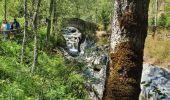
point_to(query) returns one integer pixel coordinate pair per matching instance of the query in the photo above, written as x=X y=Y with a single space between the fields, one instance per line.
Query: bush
x=53 y=79
x=151 y=21
x=105 y=18
x=162 y=20
x=168 y=22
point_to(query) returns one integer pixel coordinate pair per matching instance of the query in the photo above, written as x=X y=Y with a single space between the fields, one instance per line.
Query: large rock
x=155 y=83
x=73 y=38
x=80 y=24
x=93 y=56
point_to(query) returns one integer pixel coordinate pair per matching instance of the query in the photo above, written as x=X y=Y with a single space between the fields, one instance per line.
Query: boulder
x=155 y=83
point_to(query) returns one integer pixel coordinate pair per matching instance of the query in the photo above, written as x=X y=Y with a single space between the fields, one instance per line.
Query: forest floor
x=157 y=50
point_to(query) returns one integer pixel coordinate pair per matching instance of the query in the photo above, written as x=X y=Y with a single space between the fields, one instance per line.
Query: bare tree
x=25 y=30
x=129 y=30
x=34 y=25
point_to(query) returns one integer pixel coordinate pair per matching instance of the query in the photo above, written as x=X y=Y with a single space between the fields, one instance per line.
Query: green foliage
x=60 y=41
x=168 y=22
x=151 y=21
x=53 y=78
x=98 y=11
x=1 y=19
x=105 y=18
x=162 y=20
x=162 y=14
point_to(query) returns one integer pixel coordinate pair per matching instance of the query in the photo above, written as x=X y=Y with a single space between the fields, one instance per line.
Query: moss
x=124 y=73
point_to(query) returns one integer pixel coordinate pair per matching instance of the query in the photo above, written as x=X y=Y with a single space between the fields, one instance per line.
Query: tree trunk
x=49 y=23
x=55 y=18
x=5 y=9
x=129 y=30
x=25 y=30
x=155 y=19
x=35 y=34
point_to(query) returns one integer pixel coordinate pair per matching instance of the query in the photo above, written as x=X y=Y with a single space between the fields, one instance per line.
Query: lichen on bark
x=123 y=72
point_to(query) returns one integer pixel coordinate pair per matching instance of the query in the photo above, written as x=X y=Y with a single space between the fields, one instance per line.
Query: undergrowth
x=157 y=50
x=53 y=79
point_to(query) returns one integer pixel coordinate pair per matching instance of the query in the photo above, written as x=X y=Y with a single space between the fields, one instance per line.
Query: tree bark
x=129 y=30
x=155 y=19
x=25 y=30
x=55 y=18
x=49 y=20
x=34 y=25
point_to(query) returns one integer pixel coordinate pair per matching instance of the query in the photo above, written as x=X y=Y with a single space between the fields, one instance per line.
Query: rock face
x=96 y=71
x=95 y=59
x=155 y=83
x=72 y=37
x=82 y=25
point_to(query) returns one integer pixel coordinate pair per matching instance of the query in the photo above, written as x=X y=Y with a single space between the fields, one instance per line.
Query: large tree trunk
x=35 y=34
x=25 y=30
x=130 y=23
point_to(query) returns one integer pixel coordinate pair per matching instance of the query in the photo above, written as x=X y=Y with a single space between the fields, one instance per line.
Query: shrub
x=53 y=79
x=151 y=21
x=162 y=20
x=168 y=22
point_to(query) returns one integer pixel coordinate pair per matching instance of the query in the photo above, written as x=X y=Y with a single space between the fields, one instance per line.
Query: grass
x=157 y=50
